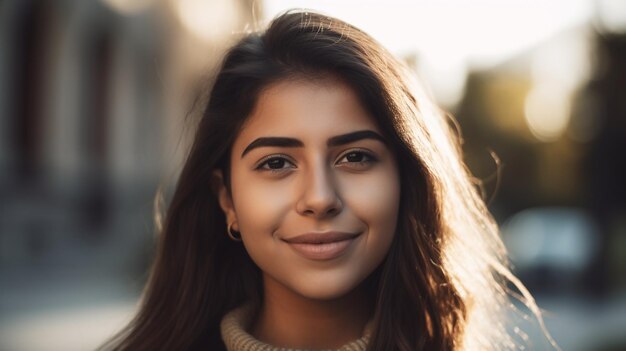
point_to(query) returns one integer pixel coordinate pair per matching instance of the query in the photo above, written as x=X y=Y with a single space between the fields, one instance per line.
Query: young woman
x=324 y=205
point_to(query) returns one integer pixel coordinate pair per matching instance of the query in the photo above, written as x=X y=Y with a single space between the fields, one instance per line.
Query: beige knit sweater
x=236 y=323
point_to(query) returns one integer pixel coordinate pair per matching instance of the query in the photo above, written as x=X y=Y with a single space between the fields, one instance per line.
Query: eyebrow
x=334 y=141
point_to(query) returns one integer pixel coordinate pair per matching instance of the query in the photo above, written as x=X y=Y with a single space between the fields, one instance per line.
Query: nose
x=319 y=197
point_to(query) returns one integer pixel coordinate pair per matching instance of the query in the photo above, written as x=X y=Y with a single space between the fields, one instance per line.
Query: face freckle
x=282 y=188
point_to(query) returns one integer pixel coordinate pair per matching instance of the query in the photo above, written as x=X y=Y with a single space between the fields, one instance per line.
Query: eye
x=274 y=164
x=358 y=158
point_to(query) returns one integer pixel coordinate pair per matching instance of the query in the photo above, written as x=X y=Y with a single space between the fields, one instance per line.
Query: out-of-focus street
x=98 y=105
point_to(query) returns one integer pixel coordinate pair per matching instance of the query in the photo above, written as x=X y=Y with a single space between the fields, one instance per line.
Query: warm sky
x=450 y=36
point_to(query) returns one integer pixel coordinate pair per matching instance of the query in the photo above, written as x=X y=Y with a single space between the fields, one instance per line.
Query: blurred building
x=96 y=105
x=545 y=132
x=547 y=129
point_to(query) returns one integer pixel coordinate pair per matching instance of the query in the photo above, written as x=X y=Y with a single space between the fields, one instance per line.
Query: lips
x=321 y=246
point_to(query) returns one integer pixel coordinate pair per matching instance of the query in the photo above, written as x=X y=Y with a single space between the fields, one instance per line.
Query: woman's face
x=310 y=159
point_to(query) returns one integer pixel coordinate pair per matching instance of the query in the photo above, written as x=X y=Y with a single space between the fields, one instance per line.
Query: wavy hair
x=442 y=285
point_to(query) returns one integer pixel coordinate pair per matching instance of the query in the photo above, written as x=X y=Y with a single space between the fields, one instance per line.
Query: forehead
x=310 y=110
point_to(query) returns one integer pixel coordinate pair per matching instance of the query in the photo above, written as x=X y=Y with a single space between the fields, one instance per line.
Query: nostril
x=332 y=211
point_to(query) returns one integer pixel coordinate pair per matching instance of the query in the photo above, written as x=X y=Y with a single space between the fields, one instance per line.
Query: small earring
x=233 y=234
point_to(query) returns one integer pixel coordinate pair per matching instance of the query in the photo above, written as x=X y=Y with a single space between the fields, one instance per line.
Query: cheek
x=375 y=200
x=260 y=203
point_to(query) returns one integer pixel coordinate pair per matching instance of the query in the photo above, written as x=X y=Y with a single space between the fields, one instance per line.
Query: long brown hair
x=442 y=284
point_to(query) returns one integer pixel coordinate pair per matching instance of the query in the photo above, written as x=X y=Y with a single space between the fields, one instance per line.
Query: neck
x=294 y=321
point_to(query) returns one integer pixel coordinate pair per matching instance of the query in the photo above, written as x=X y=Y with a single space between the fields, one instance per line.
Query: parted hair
x=442 y=285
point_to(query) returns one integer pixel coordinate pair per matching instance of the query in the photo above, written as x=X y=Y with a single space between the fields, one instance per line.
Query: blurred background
x=94 y=96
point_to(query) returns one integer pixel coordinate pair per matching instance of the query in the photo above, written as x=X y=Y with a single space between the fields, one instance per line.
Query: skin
x=352 y=188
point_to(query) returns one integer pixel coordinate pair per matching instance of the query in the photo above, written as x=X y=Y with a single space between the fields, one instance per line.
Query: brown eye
x=274 y=164
x=355 y=157
x=358 y=158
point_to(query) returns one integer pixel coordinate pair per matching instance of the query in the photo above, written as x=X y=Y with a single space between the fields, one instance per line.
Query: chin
x=323 y=293
x=325 y=288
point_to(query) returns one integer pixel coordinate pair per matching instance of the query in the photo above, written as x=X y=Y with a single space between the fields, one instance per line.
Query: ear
x=224 y=198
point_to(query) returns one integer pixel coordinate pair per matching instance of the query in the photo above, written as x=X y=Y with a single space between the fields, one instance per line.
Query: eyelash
x=267 y=159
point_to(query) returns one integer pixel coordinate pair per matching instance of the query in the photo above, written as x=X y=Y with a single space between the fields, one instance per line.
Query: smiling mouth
x=322 y=246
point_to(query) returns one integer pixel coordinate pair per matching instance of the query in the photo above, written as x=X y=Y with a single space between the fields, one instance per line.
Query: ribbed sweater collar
x=234 y=329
